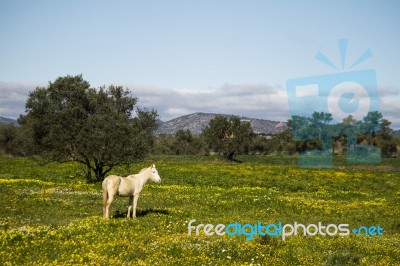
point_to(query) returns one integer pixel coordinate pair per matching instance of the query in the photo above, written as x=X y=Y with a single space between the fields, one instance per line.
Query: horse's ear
x=154 y=166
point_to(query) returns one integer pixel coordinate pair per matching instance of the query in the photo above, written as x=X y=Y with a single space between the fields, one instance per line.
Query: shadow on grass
x=140 y=213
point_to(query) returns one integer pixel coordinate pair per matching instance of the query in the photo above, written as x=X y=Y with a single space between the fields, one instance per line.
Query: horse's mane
x=143 y=169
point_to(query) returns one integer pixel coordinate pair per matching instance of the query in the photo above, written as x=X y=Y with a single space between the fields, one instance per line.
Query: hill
x=198 y=121
x=8 y=121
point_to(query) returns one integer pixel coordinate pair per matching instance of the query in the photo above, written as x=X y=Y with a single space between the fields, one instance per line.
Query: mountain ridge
x=260 y=126
x=8 y=121
x=196 y=122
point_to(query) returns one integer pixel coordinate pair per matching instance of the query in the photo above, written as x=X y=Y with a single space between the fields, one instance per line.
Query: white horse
x=129 y=186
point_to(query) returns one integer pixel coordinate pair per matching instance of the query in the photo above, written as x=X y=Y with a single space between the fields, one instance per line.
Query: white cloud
x=390 y=107
x=259 y=101
x=13 y=97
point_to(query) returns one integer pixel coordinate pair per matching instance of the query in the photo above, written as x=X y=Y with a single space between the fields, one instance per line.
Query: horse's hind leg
x=107 y=205
x=110 y=189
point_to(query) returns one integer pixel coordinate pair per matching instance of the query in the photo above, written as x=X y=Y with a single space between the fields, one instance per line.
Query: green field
x=50 y=216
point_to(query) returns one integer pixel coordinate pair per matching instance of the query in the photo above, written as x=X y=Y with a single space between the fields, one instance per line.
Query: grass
x=50 y=216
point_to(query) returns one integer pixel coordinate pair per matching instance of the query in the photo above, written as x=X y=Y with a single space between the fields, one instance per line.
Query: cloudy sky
x=181 y=57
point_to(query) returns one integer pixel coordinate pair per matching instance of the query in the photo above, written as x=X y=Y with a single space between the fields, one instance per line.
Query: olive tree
x=228 y=137
x=99 y=128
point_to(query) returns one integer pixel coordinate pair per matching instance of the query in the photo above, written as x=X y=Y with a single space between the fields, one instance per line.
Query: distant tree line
x=102 y=128
x=227 y=137
x=231 y=137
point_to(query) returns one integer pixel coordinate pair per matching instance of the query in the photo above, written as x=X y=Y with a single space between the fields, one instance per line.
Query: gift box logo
x=340 y=94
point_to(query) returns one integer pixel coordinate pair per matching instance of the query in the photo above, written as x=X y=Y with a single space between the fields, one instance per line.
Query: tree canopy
x=357 y=136
x=228 y=136
x=100 y=128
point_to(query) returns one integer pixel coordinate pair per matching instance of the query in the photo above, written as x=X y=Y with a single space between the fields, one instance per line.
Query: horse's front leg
x=130 y=206
x=135 y=200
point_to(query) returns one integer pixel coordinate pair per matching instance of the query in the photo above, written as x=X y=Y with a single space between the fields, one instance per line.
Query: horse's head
x=154 y=174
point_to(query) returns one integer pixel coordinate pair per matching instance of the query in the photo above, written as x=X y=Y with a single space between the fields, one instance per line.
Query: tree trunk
x=99 y=172
x=99 y=169
x=229 y=156
x=88 y=172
